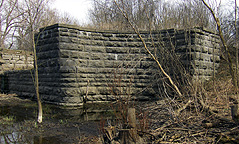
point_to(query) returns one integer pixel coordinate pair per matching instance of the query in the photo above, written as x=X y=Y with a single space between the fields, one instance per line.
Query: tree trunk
x=130 y=136
x=234 y=109
x=236 y=39
x=36 y=82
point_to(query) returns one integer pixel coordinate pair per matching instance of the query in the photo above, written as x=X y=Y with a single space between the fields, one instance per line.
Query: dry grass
x=207 y=119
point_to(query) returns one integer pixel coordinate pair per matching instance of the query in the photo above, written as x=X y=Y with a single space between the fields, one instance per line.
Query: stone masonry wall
x=11 y=60
x=199 y=52
x=15 y=60
x=77 y=62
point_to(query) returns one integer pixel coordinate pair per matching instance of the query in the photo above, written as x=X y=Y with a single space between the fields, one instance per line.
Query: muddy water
x=28 y=111
x=60 y=124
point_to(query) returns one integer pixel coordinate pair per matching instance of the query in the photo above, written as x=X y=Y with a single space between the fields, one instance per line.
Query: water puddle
x=60 y=124
x=17 y=137
x=46 y=140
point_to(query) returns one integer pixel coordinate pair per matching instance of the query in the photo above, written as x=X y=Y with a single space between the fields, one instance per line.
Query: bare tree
x=8 y=21
x=105 y=14
x=36 y=14
x=33 y=11
x=43 y=16
x=162 y=14
x=225 y=46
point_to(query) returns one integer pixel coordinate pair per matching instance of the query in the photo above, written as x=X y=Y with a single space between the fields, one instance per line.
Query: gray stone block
x=69 y=57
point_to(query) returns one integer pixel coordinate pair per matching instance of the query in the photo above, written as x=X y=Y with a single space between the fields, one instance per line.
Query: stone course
x=15 y=60
x=11 y=60
x=72 y=60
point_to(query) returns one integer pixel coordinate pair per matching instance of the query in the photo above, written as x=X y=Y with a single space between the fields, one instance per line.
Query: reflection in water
x=29 y=112
x=13 y=133
x=20 y=138
x=13 y=138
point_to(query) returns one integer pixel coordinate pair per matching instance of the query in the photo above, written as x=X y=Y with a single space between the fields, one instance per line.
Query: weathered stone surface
x=73 y=60
x=15 y=60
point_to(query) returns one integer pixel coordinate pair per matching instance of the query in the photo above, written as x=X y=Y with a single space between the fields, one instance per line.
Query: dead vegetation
x=204 y=118
x=203 y=112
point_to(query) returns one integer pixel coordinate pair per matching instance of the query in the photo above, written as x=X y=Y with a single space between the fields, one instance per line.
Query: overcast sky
x=79 y=8
x=76 y=8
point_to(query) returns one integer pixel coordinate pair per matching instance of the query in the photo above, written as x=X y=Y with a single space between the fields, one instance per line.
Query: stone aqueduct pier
x=74 y=62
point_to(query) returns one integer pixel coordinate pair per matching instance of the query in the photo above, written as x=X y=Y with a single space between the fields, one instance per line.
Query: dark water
x=61 y=123
x=24 y=139
x=29 y=111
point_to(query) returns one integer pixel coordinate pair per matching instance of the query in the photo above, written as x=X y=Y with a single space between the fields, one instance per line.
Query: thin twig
x=146 y=48
x=229 y=60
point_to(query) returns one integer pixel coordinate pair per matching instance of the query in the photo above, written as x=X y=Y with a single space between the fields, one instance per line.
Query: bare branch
x=146 y=48
x=229 y=60
x=1 y=4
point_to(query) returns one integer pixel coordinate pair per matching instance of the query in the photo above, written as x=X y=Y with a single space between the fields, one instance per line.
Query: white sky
x=79 y=8
x=76 y=8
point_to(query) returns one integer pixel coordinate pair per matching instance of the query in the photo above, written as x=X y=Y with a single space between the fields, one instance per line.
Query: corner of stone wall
x=205 y=50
